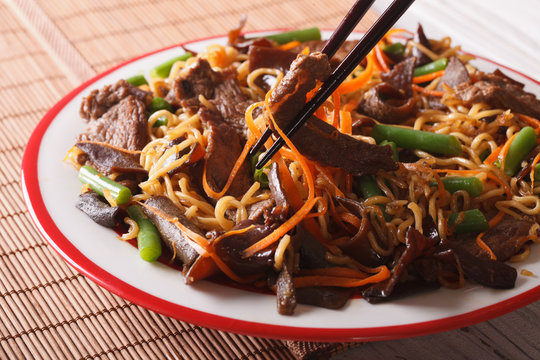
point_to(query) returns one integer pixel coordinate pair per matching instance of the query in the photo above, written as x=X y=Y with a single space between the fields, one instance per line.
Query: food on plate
x=418 y=172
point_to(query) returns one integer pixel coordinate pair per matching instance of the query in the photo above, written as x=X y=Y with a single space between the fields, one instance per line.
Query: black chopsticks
x=361 y=50
x=347 y=25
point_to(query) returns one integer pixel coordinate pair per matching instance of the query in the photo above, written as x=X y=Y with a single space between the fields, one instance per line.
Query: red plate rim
x=61 y=244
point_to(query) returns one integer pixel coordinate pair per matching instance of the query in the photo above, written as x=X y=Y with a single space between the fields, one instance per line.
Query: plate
x=50 y=189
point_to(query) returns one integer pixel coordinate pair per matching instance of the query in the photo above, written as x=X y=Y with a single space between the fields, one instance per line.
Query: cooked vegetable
x=522 y=144
x=148 y=240
x=417 y=139
x=433 y=66
x=99 y=183
x=302 y=35
x=394 y=148
x=161 y=121
x=159 y=103
x=163 y=70
x=396 y=48
x=368 y=188
x=137 y=80
x=468 y=221
x=472 y=184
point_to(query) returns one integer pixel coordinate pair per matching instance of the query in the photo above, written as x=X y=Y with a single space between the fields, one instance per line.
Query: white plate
x=51 y=187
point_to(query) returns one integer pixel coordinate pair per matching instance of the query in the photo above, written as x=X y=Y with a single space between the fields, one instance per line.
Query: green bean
x=396 y=48
x=97 y=182
x=137 y=80
x=160 y=121
x=159 y=103
x=417 y=139
x=484 y=154
x=393 y=145
x=163 y=70
x=472 y=184
x=148 y=240
x=302 y=35
x=368 y=188
x=522 y=144
x=431 y=67
x=468 y=221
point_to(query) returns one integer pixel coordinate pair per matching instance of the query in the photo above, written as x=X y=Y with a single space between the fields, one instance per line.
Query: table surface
x=47 y=47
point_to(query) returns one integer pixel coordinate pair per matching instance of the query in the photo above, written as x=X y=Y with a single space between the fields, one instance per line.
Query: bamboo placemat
x=47 y=47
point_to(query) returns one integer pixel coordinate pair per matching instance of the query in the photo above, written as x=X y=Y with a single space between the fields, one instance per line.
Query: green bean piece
x=417 y=139
x=302 y=35
x=163 y=70
x=468 y=221
x=160 y=121
x=368 y=188
x=396 y=48
x=484 y=154
x=393 y=145
x=97 y=182
x=472 y=184
x=522 y=144
x=148 y=240
x=137 y=80
x=159 y=103
x=431 y=67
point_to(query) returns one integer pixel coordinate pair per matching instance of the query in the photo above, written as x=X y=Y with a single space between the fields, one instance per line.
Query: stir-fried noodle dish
x=418 y=172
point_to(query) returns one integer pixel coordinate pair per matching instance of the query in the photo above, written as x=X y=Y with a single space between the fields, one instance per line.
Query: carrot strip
x=530 y=120
x=289 y=45
x=350 y=218
x=393 y=31
x=356 y=83
x=329 y=179
x=216 y=195
x=337 y=105
x=324 y=280
x=427 y=92
x=484 y=246
x=321 y=212
x=334 y=271
x=493 y=156
x=306 y=207
x=346 y=122
x=428 y=77
x=533 y=164
x=380 y=59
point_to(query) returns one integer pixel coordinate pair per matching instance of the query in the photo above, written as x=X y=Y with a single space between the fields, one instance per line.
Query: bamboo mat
x=47 y=47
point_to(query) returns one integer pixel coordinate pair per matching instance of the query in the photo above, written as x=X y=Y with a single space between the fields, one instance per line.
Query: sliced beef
x=499 y=91
x=220 y=88
x=124 y=125
x=261 y=211
x=196 y=152
x=359 y=246
x=285 y=289
x=416 y=245
x=387 y=104
x=317 y=46
x=100 y=101
x=270 y=57
x=502 y=239
x=224 y=148
x=108 y=160
x=455 y=73
x=281 y=210
x=98 y=210
x=160 y=210
x=420 y=37
x=230 y=249
x=318 y=140
x=401 y=76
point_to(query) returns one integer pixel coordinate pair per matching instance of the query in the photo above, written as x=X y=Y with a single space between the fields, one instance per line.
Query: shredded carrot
x=337 y=105
x=321 y=114
x=484 y=246
x=328 y=178
x=504 y=150
x=427 y=92
x=346 y=122
x=393 y=31
x=381 y=58
x=530 y=120
x=350 y=218
x=350 y=106
x=356 y=83
x=428 y=77
x=289 y=45
x=322 y=211
x=305 y=51
x=348 y=182
x=334 y=271
x=493 y=156
x=533 y=164
x=326 y=280
x=216 y=195
x=306 y=207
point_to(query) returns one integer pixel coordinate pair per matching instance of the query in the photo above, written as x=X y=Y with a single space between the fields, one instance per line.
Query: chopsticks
x=361 y=50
